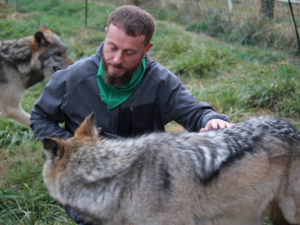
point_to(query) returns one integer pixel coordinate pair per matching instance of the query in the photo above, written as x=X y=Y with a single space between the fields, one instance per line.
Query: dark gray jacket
x=72 y=94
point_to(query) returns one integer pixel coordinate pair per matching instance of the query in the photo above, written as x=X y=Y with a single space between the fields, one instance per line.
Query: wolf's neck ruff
x=19 y=50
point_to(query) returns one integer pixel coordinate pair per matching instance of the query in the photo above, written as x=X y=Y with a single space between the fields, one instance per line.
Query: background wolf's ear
x=52 y=147
x=40 y=38
x=43 y=28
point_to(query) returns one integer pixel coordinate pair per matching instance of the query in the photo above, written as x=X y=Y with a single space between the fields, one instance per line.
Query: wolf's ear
x=88 y=127
x=43 y=28
x=53 y=147
x=40 y=38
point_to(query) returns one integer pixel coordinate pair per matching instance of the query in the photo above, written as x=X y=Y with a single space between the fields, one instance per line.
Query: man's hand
x=214 y=124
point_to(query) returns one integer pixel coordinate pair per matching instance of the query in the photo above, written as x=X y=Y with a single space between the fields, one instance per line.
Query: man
x=129 y=92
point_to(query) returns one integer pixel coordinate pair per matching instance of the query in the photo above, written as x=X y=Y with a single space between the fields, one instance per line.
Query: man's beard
x=117 y=81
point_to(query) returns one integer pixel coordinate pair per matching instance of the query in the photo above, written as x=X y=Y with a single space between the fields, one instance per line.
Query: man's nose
x=118 y=57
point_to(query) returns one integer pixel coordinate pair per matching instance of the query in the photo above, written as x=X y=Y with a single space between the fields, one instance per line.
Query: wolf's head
x=87 y=131
x=48 y=54
x=59 y=151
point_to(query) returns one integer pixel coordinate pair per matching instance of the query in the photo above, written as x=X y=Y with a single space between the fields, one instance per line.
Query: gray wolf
x=233 y=176
x=25 y=62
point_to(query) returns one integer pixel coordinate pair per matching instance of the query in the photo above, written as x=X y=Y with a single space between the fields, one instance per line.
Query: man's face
x=121 y=55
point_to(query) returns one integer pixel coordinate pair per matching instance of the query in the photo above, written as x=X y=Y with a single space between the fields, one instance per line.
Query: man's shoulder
x=158 y=72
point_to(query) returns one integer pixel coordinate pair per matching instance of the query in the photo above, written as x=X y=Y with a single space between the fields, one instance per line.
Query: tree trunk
x=267 y=9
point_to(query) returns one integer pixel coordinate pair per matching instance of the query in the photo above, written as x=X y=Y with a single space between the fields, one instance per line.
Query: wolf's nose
x=55 y=68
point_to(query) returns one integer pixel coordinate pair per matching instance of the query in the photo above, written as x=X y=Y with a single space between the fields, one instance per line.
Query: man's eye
x=113 y=48
x=129 y=53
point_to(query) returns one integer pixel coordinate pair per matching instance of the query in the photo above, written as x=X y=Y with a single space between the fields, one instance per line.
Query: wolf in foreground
x=25 y=62
x=222 y=177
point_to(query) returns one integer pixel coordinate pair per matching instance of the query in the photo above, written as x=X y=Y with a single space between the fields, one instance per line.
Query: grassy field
x=243 y=24
x=236 y=80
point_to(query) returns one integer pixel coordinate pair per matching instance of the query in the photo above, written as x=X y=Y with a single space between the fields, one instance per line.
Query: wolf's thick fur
x=25 y=62
x=225 y=177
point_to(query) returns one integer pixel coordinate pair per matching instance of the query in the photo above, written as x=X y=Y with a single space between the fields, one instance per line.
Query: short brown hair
x=133 y=21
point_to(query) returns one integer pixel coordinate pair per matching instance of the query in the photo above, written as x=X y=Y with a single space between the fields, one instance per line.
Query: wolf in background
x=233 y=176
x=25 y=62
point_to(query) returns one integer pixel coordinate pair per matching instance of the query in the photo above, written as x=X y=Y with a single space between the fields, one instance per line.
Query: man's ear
x=147 y=48
x=88 y=127
x=53 y=147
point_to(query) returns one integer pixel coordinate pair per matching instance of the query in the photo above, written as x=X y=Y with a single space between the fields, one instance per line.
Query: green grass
x=23 y=196
x=236 y=80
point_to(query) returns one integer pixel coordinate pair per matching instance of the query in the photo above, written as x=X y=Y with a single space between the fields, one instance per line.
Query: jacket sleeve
x=46 y=113
x=178 y=104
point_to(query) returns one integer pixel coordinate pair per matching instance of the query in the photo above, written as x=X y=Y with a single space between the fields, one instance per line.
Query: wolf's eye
x=58 y=54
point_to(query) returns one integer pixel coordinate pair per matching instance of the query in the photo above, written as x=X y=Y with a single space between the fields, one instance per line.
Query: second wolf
x=25 y=62
x=226 y=177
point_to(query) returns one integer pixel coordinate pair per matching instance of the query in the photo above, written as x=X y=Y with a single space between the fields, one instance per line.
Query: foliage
x=212 y=23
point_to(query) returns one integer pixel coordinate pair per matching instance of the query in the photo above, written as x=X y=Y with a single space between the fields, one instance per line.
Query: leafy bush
x=211 y=22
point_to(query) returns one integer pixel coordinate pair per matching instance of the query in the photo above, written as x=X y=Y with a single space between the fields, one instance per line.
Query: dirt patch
x=3 y=165
x=3 y=10
x=9 y=12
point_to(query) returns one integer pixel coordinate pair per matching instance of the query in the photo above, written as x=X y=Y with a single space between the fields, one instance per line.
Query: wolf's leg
x=10 y=101
x=276 y=215
x=289 y=199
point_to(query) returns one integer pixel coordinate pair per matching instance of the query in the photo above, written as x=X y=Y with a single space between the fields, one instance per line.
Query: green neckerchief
x=114 y=96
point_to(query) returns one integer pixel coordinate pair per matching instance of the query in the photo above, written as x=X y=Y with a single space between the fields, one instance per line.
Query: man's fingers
x=215 y=124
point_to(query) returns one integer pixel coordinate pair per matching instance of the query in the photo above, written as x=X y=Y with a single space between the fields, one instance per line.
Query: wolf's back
x=163 y=178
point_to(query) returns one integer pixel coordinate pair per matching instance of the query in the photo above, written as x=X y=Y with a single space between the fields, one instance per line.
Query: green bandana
x=114 y=96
